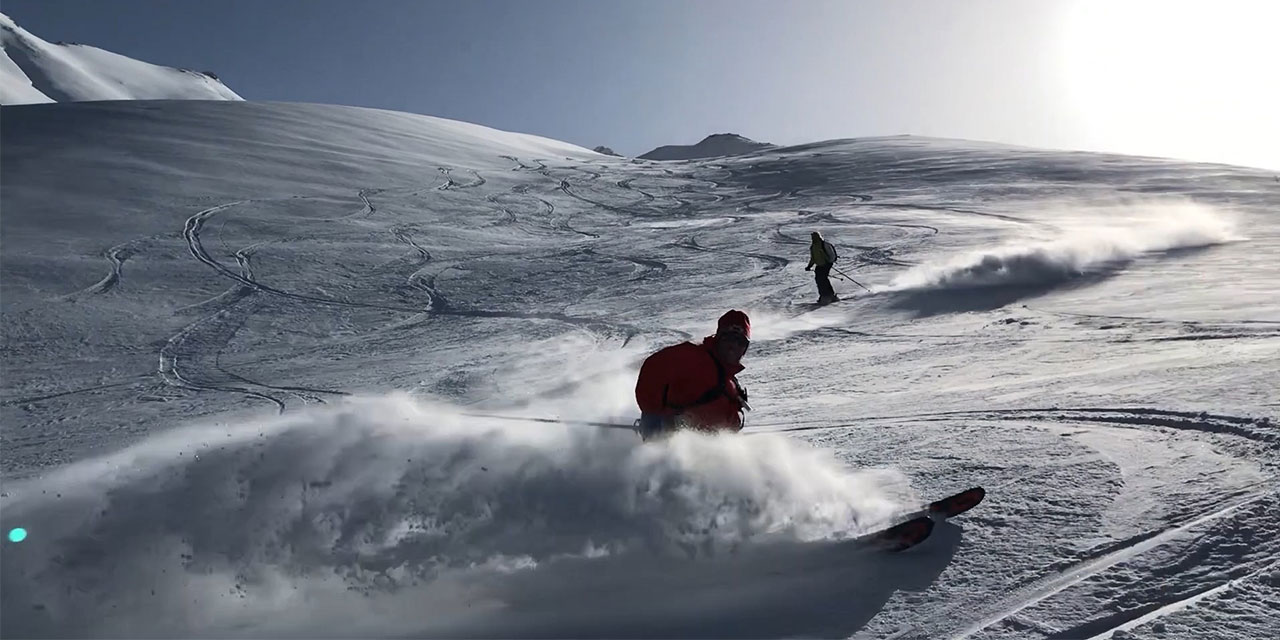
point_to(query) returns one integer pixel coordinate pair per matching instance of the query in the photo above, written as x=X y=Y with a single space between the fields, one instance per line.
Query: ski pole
x=788 y=425
x=850 y=279
x=589 y=423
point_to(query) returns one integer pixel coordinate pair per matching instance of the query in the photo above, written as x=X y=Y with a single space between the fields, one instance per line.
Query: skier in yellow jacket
x=822 y=254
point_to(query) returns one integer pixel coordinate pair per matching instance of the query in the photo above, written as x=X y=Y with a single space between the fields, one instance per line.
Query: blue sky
x=1184 y=79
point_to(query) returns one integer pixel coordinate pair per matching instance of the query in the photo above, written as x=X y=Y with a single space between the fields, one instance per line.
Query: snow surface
x=35 y=71
x=713 y=146
x=254 y=355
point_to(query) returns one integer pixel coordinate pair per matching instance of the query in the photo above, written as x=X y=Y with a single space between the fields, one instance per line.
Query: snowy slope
x=33 y=71
x=205 y=307
x=15 y=86
x=713 y=146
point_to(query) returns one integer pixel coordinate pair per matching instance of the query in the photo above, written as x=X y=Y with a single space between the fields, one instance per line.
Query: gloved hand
x=653 y=425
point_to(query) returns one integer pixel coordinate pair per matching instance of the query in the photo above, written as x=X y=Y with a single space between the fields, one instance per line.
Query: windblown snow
x=392 y=494
x=35 y=71
x=1090 y=243
x=261 y=360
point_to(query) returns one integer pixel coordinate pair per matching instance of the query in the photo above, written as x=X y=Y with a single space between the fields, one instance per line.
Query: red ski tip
x=905 y=535
x=957 y=504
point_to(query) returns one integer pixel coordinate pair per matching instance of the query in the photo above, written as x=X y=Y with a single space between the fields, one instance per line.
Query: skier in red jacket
x=695 y=385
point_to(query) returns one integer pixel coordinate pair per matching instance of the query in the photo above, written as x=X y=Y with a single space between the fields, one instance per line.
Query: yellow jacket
x=818 y=255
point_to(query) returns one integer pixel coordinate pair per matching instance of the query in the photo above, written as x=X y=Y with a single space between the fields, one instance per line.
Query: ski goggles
x=734 y=334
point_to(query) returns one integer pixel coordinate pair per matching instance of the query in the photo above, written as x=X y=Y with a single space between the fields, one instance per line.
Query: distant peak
x=727 y=136
x=33 y=70
x=713 y=146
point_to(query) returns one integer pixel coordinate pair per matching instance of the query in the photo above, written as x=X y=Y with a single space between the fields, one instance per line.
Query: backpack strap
x=720 y=388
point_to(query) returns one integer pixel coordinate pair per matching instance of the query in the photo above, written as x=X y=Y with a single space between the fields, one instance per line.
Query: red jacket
x=684 y=380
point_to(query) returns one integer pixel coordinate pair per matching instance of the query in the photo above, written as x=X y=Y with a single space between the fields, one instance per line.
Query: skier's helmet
x=734 y=323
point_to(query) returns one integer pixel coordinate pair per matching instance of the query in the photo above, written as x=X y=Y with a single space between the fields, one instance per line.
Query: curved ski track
x=216 y=324
x=117 y=256
x=768 y=262
x=647 y=267
x=450 y=183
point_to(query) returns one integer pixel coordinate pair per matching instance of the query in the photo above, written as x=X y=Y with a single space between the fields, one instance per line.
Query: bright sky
x=1181 y=78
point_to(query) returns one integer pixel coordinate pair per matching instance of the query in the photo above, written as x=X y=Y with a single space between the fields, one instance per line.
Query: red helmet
x=735 y=322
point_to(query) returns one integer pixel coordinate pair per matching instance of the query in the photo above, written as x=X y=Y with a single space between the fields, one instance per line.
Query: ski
x=919 y=524
x=899 y=537
x=952 y=506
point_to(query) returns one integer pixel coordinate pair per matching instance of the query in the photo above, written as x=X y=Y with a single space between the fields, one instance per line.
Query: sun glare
x=1198 y=80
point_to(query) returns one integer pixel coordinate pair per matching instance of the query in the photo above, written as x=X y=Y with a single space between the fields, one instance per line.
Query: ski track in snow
x=224 y=323
x=116 y=255
x=1258 y=429
x=1108 y=626
x=450 y=183
x=1125 y=433
x=1030 y=592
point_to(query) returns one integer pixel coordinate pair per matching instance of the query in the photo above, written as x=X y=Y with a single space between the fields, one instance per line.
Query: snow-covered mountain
x=253 y=353
x=716 y=145
x=35 y=71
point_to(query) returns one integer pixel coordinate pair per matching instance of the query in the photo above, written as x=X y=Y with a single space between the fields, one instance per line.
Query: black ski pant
x=822 y=276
